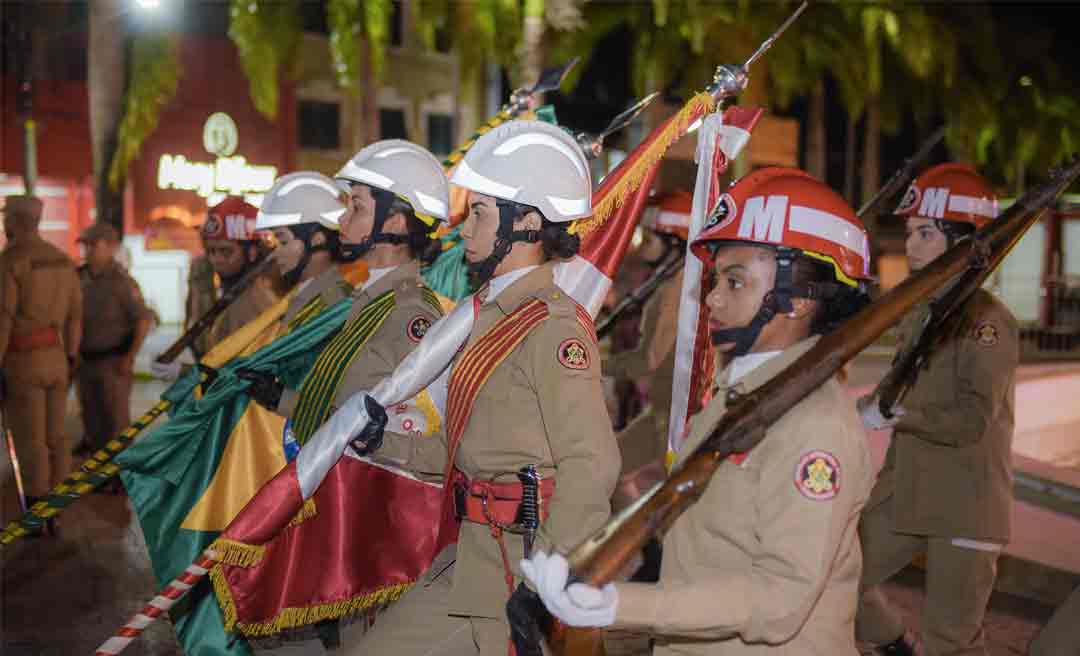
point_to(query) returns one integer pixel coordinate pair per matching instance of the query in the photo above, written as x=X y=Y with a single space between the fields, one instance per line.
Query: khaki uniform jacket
x=112 y=306
x=532 y=410
x=40 y=289
x=653 y=359
x=330 y=285
x=768 y=560
x=255 y=300
x=396 y=337
x=949 y=466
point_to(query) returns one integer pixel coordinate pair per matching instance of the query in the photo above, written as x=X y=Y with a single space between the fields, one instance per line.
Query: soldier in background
x=233 y=250
x=40 y=329
x=945 y=489
x=643 y=442
x=115 y=323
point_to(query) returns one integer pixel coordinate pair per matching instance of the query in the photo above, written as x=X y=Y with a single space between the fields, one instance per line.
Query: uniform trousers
x=959 y=581
x=34 y=413
x=105 y=395
x=418 y=624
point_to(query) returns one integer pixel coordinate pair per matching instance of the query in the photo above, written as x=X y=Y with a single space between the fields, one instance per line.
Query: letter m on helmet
x=763 y=218
x=933 y=202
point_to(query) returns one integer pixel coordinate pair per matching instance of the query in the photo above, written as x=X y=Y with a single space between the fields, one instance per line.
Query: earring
x=791 y=314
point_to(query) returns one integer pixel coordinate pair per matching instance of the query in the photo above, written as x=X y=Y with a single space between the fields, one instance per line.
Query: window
x=392 y=124
x=440 y=131
x=318 y=126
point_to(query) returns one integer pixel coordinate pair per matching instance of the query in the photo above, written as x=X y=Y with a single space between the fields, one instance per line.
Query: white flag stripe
x=972 y=205
x=114 y=645
x=140 y=621
x=827 y=226
x=584 y=283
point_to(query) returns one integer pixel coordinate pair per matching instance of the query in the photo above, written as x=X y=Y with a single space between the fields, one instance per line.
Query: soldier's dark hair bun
x=557 y=240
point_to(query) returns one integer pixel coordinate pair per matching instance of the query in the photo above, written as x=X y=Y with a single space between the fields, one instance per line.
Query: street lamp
x=148 y=4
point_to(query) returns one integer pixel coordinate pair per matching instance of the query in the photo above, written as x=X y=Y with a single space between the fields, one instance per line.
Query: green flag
x=181 y=477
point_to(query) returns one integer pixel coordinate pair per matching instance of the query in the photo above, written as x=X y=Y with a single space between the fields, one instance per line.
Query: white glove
x=171 y=370
x=578 y=605
x=872 y=417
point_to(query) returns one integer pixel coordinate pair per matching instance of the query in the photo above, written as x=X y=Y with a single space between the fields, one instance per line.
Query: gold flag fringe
x=307 y=511
x=291 y=618
x=632 y=179
x=231 y=552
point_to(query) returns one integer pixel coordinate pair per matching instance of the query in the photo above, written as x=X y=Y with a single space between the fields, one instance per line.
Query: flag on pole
x=720 y=140
x=189 y=478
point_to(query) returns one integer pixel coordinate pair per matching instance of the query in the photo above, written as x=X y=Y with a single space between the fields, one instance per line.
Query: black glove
x=370 y=438
x=265 y=388
x=529 y=621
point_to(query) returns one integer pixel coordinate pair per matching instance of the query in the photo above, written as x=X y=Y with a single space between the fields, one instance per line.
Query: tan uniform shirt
x=950 y=461
x=201 y=295
x=40 y=290
x=532 y=410
x=654 y=361
x=396 y=337
x=768 y=560
x=255 y=300
x=112 y=306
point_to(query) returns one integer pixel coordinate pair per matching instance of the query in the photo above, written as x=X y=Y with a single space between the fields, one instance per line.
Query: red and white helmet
x=950 y=192
x=231 y=219
x=788 y=207
x=669 y=214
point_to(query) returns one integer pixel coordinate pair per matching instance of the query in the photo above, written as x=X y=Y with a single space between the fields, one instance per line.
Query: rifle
x=529 y=622
x=637 y=297
x=901 y=177
x=210 y=316
x=599 y=558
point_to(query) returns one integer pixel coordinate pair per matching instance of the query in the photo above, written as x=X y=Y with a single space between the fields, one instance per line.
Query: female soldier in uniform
x=768 y=559
x=946 y=487
x=523 y=398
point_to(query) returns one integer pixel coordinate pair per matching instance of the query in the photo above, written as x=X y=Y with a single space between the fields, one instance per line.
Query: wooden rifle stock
x=598 y=559
x=636 y=298
x=210 y=316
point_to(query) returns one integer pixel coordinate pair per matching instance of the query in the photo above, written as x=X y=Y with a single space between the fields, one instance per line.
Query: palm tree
x=106 y=72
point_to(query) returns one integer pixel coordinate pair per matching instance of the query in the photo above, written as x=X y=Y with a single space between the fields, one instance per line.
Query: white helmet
x=301 y=197
x=531 y=163
x=405 y=169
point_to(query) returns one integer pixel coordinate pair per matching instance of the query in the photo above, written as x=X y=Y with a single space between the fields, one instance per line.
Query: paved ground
x=64 y=597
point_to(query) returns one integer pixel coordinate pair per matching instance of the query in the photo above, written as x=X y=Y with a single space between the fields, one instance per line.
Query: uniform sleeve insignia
x=986 y=334
x=818 y=476
x=418 y=327
x=573 y=354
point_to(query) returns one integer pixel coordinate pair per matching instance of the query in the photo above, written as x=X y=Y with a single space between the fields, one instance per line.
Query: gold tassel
x=307 y=511
x=231 y=552
x=291 y=618
x=633 y=178
x=224 y=597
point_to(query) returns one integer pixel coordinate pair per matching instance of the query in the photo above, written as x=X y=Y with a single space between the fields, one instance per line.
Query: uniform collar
x=525 y=283
x=383 y=280
x=752 y=377
x=110 y=269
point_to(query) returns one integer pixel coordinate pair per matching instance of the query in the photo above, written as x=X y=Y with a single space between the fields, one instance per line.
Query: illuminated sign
x=226 y=175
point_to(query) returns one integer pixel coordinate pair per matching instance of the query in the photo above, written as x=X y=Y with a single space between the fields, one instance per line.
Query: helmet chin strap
x=352 y=252
x=292 y=276
x=505 y=236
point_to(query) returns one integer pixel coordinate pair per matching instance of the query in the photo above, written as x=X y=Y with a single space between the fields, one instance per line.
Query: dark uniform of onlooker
x=40 y=326
x=115 y=322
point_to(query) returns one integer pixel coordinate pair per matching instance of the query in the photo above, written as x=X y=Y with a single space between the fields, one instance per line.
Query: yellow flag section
x=254 y=452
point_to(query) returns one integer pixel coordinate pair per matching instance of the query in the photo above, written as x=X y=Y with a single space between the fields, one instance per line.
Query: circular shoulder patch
x=818 y=476
x=986 y=333
x=573 y=354
x=417 y=328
